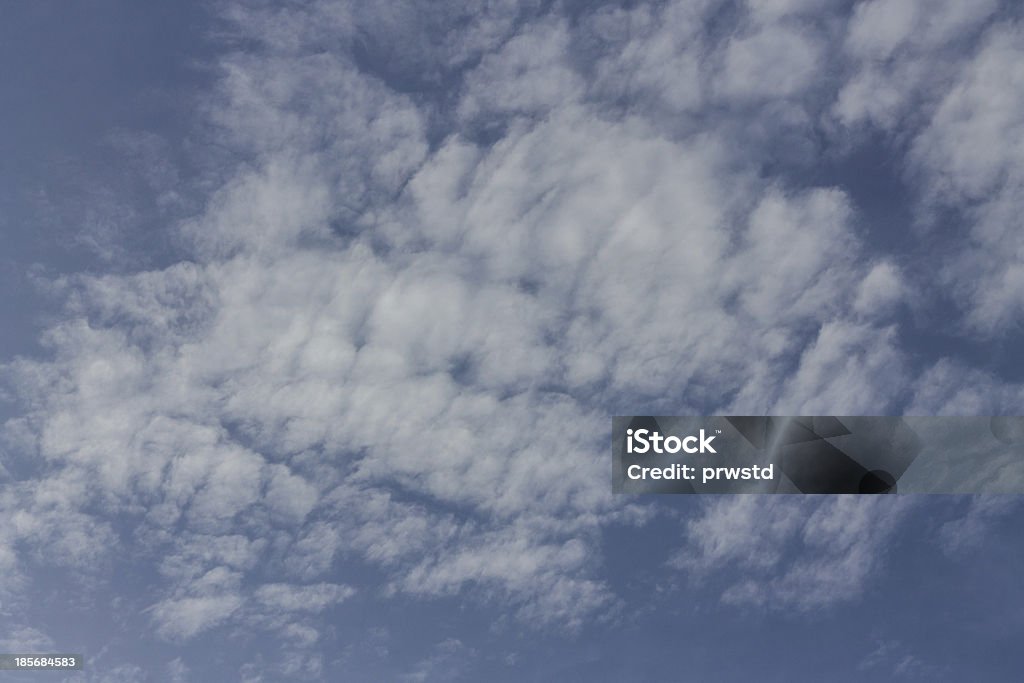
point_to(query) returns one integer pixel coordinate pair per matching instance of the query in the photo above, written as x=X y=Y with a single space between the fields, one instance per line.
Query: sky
x=315 y=315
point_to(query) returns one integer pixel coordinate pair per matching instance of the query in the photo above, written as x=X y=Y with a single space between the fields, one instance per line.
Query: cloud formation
x=435 y=262
x=791 y=555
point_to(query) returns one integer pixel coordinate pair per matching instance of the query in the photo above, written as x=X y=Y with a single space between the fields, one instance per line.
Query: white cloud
x=849 y=369
x=781 y=554
x=192 y=555
x=449 y=661
x=636 y=59
x=290 y=495
x=967 y=533
x=750 y=531
x=177 y=671
x=300 y=634
x=197 y=604
x=25 y=639
x=878 y=95
x=970 y=141
x=528 y=76
x=903 y=54
x=968 y=158
x=882 y=289
x=547 y=582
x=880 y=27
x=775 y=61
x=764 y=11
x=431 y=40
x=311 y=598
x=952 y=388
x=893 y=655
x=183 y=618
x=789 y=255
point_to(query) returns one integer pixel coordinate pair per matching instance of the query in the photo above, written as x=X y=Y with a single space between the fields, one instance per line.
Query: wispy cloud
x=786 y=555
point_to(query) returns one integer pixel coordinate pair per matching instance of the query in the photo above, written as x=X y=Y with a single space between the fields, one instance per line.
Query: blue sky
x=315 y=314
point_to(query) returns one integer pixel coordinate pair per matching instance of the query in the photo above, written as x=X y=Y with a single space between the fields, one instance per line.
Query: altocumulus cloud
x=438 y=259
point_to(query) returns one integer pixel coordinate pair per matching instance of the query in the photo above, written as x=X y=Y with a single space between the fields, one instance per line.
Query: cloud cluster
x=969 y=157
x=786 y=555
x=431 y=268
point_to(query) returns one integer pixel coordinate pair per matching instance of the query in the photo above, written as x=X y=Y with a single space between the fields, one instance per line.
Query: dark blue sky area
x=75 y=76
